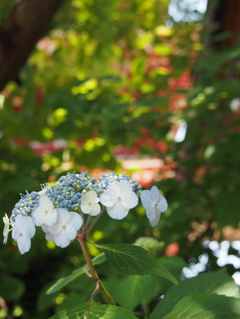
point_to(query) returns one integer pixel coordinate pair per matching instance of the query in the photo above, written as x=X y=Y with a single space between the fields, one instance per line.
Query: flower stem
x=82 y=240
x=96 y=220
x=88 y=221
x=145 y=307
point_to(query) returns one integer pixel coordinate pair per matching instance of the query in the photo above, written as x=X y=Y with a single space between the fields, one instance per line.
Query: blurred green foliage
x=103 y=76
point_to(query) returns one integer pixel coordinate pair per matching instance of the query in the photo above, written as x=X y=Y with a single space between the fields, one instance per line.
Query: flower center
x=20 y=234
x=64 y=226
x=46 y=211
x=119 y=197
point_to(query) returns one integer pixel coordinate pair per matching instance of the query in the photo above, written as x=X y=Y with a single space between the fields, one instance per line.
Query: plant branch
x=91 y=300
x=88 y=221
x=96 y=220
x=82 y=240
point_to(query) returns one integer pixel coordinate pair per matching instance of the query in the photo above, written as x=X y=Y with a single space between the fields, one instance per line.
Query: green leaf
x=134 y=260
x=96 y=311
x=75 y=274
x=218 y=282
x=11 y=288
x=173 y=262
x=227 y=204
x=152 y=245
x=72 y=300
x=150 y=102
x=206 y=306
x=135 y=289
x=44 y=301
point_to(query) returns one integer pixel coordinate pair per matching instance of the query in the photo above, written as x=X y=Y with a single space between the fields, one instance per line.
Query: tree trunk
x=19 y=33
x=227 y=18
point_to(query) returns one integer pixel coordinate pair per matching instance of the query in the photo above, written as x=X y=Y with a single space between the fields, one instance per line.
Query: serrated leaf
x=134 y=260
x=96 y=312
x=206 y=306
x=135 y=289
x=218 y=282
x=75 y=274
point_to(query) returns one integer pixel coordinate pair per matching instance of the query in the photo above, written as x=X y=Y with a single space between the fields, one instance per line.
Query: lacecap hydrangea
x=59 y=209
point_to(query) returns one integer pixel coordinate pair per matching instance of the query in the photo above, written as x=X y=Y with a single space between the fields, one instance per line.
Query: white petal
x=55 y=229
x=156 y=220
x=75 y=220
x=70 y=232
x=45 y=203
x=85 y=198
x=63 y=216
x=18 y=221
x=5 y=238
x=24 y=243
x=125 y=186
x=29 y=226
x=49 y=237
x=96 y=209
x=115 y=188
x=61 y=240
x=155 y=194
x=109 y=198
x=39 y=216
x=150 y=211
x=162 y=204
x=44 y=228
x=51 y=218
x=15 y=233
x=6 y=219
x=5 y=230
x=93 y=197
x=145 y=197
x=117 y=211
x=129 y=199
x=24 y=224
x=86 y=208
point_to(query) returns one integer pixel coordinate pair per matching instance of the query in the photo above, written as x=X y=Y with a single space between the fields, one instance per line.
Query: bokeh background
x=146 y=88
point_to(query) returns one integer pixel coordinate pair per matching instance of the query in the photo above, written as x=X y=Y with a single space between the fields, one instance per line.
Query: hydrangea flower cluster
x=68 y=190
x=112 y=178
x=26 y=205
x=58 y=209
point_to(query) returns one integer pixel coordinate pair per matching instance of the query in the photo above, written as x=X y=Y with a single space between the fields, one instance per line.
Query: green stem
x=95 y=220
x=82 y=240
x=145 y=307
x=86 y=224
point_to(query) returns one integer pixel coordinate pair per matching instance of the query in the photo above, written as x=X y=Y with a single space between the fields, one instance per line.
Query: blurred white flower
x=154 y=203
x=181 y=133
x=118 y=199
x=6 y=229
x=45 y=213
x=235 y=105
x=23 y=231
x=65 y=228
x=89 y=203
